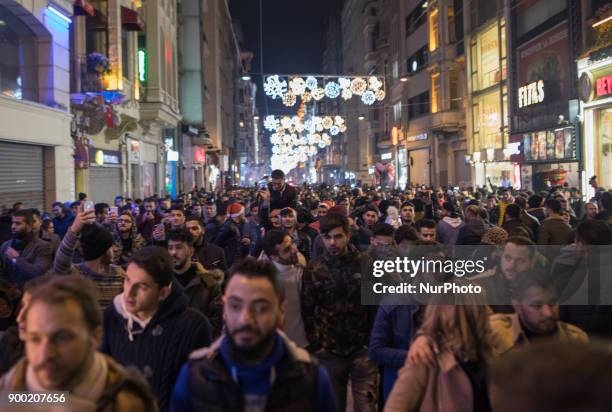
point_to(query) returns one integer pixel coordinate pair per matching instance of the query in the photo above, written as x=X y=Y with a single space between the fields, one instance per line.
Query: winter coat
x=448 y=230
x=287 y=197
x=61 y=225
x=145 y=226
x=163 y=346
x=334 y=318
x=211 y=256
x=34 y=260
x=125 y=389
x=228 y=239
x=553 y=231
x=471 y=232
x=205 y=295
x=391 y=335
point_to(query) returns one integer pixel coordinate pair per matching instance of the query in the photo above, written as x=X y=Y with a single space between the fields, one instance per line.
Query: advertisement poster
x=570 y=148
x=527 y=145
x=559 y=144
x=546 y=57
x=550 y=144
x=541 y=145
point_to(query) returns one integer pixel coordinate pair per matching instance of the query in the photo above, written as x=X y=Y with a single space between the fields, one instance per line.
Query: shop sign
x=172 y=155
x=603 y=86
x=532 y=93
x=585 y=87
x=550 y=145
x=199 y=155
x=416 y=138
x=101 y=157
x=386 y=156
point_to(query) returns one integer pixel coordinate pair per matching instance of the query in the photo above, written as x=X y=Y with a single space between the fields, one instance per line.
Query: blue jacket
x=61 y=225
x=391 y=334
x=213 y=381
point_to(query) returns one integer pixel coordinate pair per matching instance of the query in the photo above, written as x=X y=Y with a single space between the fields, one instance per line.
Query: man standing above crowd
x=25 y=255
x=254 y=366
x=337 y=324
x=282 y=194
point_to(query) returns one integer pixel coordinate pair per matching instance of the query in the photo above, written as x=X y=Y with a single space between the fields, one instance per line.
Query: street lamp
x=246 y=77
x=361 y=117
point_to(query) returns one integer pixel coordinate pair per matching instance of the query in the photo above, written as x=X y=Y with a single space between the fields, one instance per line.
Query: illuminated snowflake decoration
x=380 y=95
x=332 y=90
x=286 y=122
x=344 y=83
x=328 y=122
x=334 y=130
x=347 y=94
x=275 y=139
x=342 y=128
x=368 y=98
x=374 y=83
x=311 y=83
x=275 y=87
x=307 y=97
x=271 y=123
x=289 y=99
x=297 y=86
x=359 y=86
x=318 y=93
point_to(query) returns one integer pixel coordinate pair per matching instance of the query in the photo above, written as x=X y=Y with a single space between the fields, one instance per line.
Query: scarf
x=135 y=325
x=85 y=395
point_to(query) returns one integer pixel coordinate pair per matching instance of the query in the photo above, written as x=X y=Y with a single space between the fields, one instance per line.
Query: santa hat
x=328 y=204
x=235 y=210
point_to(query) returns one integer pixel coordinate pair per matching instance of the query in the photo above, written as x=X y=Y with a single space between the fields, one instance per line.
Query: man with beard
x=63 y=329
x=97 y=247
x=127 y=239
x=518 y=257
x=201 y=287
x=51 y=238
x=254 y=367
x=361 y=238
x=407 y=213
x=337 y=325
x=282 y=252
x=149 y=219
x=25 y=256
x=211 y=256
x=288 y=219
x=150 y=325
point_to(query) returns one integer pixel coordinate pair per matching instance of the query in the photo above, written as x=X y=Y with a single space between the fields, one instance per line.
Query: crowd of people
x=251 y=299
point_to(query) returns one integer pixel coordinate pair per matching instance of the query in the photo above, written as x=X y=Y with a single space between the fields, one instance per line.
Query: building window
x=125 y=53
x=416 y=18
x=453 y=80
x=418 y=105
x=434 y=30
x=435 y=92
x=395 y=70
x=397 y=112
x=418 y=60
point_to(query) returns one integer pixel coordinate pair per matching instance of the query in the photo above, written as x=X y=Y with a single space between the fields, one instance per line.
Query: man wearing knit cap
x=231 y=237
x=96 y=244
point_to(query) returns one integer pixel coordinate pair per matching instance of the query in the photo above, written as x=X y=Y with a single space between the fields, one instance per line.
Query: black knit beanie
x=95 y=241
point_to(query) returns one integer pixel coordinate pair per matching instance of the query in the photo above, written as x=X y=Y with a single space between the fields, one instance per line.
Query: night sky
x=293 y=39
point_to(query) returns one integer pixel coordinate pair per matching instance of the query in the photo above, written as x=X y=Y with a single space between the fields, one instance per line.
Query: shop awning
x=83 y=7
x=131 y=20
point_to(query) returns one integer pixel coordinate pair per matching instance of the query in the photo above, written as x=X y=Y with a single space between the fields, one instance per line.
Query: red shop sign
x=199 y=155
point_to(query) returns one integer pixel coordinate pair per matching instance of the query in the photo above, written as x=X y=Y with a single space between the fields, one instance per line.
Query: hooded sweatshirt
x=157 y=346
x=448 y=230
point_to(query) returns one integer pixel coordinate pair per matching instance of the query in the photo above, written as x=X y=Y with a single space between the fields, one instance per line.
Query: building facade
x=36 y=154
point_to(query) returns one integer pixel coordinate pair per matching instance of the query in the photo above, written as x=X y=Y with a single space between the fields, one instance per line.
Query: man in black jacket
x=25 y=256
x=209 y=255
x=150 y=325
x=282 y=194
x=202 y=287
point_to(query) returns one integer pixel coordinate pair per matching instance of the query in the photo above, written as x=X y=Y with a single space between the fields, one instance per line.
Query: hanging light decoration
x=311 y=83
x=297 y=86
x=347 y=94
x=318 y=93
x=289 y=99
x=380 y=95
x=374 y=84
x=332 y=90
x=359 y=86
x=275 y=87
x=368 y=97
x=307 y=97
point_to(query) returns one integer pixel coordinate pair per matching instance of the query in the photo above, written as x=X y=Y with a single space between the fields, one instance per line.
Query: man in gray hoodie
x=448 y=228
x=279 y=248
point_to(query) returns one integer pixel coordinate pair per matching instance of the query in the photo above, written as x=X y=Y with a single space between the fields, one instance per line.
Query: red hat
x=328 y=204
x=235 y=210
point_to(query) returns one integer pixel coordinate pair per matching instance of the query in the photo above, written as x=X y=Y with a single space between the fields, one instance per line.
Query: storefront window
x=490 y=120
x=17 y=44
x=489 y=58
x=605 y=144
x=434 y=32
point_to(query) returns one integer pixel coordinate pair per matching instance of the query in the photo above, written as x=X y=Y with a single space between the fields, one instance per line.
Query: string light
x=275 y=87
x=332 y=90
